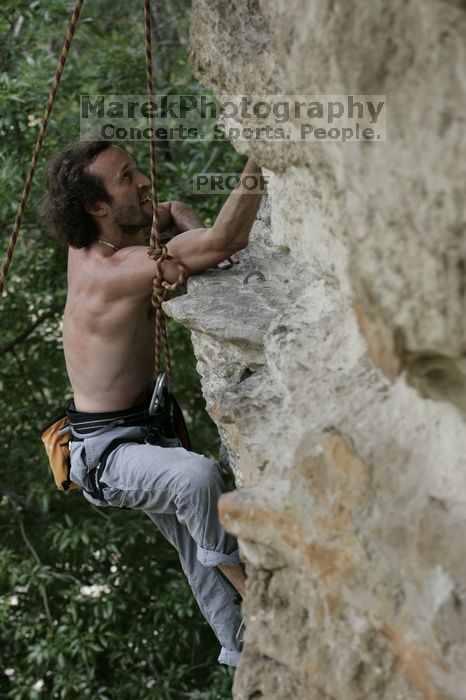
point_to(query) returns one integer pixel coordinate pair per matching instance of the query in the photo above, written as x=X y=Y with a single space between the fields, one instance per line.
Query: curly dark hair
x=70 y=188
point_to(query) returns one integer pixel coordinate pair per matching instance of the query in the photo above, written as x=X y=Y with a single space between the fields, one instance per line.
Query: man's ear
x=97 y=209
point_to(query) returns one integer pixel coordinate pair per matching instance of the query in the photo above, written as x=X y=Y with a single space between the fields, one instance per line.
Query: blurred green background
x=93 y=603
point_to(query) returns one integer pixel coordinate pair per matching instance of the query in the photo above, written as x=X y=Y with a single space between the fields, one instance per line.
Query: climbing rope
x=40 y=139
x=157 y=252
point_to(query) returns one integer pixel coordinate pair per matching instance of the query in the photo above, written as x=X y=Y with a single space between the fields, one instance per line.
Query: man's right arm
x=229 y=233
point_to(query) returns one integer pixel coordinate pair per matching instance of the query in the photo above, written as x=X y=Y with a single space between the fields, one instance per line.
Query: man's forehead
x=109 y=163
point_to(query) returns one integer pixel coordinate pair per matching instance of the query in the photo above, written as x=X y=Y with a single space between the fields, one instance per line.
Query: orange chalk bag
x=56 y=435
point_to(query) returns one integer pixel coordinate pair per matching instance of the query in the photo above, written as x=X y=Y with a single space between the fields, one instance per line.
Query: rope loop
x=159 y=255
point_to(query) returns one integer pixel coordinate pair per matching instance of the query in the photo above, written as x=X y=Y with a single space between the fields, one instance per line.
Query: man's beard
x=132 y=219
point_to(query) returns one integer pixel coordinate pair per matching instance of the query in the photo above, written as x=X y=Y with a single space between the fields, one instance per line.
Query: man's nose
x=143 y=181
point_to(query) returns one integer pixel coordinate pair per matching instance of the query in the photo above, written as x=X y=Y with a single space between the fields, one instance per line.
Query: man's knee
x=205 y=477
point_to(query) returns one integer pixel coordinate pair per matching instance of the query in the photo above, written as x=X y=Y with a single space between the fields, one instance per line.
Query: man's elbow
x=241 y=240
x=218 y=240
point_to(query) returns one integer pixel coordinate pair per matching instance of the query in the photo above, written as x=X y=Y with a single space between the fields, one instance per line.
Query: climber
x=98 y=202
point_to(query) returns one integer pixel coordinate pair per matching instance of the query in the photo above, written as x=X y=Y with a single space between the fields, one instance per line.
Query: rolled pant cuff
x=209 y=557
x=229 y=658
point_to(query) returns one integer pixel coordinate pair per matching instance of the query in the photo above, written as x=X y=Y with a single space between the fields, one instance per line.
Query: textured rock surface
x=338 y=381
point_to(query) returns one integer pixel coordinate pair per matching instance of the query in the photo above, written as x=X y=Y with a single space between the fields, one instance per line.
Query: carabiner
x=160 y=393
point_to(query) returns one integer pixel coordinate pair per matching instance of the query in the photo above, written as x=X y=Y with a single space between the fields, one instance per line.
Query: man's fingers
x=226 y=264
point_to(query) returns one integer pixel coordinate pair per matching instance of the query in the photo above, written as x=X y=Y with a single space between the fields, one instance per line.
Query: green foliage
x=93 y=603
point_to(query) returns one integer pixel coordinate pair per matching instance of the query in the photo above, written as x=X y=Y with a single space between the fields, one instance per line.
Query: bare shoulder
x=130 y=272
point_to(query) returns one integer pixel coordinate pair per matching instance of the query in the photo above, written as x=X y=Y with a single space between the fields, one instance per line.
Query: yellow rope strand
x=157 y=252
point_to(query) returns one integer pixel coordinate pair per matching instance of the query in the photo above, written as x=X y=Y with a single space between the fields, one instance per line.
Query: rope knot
x=158 y=254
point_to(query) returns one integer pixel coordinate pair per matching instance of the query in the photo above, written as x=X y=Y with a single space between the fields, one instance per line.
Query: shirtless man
x=99 y=202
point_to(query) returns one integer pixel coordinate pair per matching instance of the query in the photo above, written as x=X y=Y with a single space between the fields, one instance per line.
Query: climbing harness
x=57 y=433
x=159 y=418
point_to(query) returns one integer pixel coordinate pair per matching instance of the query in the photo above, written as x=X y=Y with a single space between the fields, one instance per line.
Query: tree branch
x=42 y=590
x=8 y=347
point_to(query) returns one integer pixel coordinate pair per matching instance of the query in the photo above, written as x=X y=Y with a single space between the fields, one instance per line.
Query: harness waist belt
x=86 y=423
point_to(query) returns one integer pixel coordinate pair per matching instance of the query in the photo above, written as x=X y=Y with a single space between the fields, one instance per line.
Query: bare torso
x=108 y=344
x=108 y=324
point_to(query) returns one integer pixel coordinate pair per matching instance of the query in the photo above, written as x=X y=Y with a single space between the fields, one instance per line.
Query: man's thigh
x=151 y=477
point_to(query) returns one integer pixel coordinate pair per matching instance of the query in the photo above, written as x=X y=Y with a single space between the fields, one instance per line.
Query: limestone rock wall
x=337 y=376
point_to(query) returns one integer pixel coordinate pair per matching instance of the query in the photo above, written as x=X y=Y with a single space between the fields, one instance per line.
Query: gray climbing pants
x=179 y=491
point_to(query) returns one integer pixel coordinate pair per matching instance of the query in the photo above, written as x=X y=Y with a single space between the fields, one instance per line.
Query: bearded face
x=130 y=206
x=132 y=217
